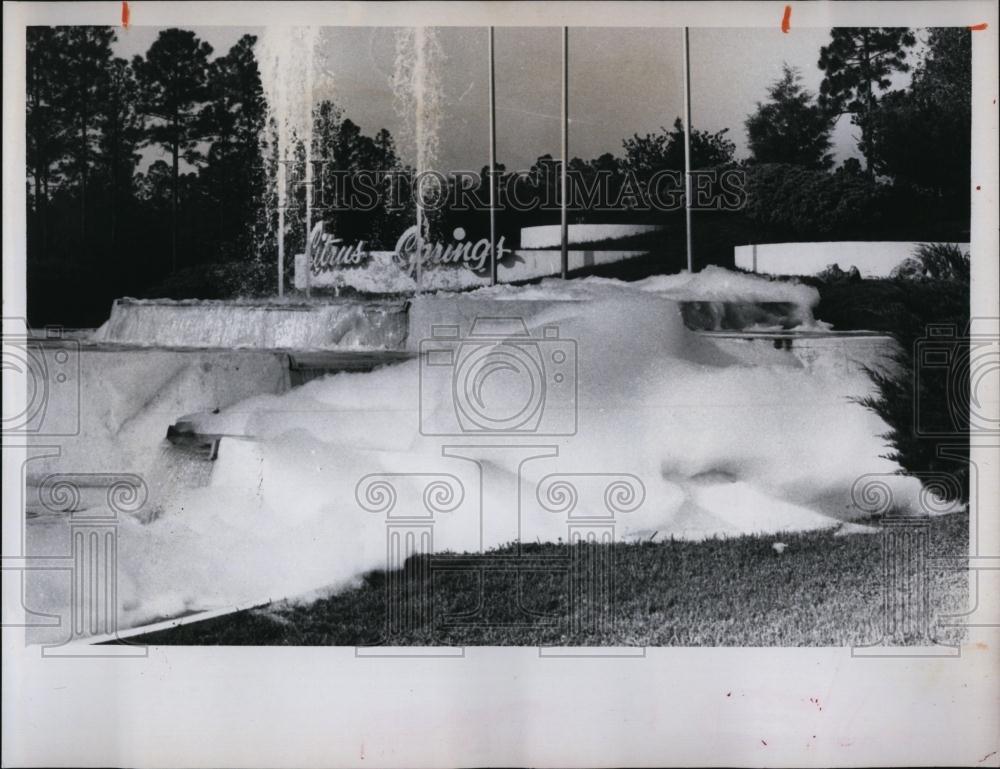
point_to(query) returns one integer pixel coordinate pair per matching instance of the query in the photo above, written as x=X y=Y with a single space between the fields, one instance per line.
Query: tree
x=644 y=155
x=233 y=120
x=83 y=85
x=347 y=155
x=174 y=80
x=154 y=186
x=945 y=73
x=45 y=131
x=857 y=61
x=121 y=128
x=790 y=128
x=932 y=119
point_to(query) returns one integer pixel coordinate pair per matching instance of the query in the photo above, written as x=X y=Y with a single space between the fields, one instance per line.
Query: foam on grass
x=718 y=447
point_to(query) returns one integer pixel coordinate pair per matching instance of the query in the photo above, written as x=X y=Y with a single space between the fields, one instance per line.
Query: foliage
x=925 y=131
x=231 y=174
x=146 y=175
x=793 y=202
x=856 y=62
x=905 y=308
x=790 y=128
x=173 y=79
x=647 y=154
x=936 y=261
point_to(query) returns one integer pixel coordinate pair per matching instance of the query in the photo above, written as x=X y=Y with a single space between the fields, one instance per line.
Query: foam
x=711 y=284
x=342 y=324
x=719 y=446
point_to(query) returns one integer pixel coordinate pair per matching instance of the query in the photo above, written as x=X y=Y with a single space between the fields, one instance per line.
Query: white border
x=327 y=707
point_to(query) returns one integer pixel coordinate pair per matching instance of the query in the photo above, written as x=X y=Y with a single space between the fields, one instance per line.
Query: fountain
x=287 y=58
x=294 y=82
x=417 y=99
x=162 y=380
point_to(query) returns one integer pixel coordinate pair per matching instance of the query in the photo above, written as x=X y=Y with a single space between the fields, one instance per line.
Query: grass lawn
x=822 y=590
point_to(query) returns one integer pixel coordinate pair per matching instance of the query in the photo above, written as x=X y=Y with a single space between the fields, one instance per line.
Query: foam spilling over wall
x=671 y=436
x=711 y=284
x=117 y=403
x=274 y=324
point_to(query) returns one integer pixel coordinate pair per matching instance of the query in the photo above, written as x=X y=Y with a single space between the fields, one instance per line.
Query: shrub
x=936 y=261
x=908 y=308
x=903 y=307
x=796 y=202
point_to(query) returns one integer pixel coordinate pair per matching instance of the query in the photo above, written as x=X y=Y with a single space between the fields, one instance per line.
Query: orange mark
x=786 y=20
x=978 y=27
x=125 y=13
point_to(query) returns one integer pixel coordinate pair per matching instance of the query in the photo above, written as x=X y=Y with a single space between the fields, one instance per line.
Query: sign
x=329 y=253
x=446 y=266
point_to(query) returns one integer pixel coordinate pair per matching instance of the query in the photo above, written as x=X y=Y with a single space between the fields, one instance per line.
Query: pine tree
x=46 y=136
x=174 y=80
x=121 y=128
x=932 y=119
x=233 y=119
x=83 y=86
x=790 y=128
x=858 y=61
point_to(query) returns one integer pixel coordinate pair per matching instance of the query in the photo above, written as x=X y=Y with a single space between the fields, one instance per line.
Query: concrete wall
x=430 y=312
x=843 y=352
x=874 y=259
x=112 y=407
x=550 y=236
x=334 y=325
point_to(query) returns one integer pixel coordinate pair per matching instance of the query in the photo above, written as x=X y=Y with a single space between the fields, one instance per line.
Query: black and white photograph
x=510 y=357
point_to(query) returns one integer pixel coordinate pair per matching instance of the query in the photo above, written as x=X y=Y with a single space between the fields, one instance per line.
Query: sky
x=622 y=81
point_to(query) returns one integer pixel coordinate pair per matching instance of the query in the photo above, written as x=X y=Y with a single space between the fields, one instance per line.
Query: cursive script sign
x=330 y=253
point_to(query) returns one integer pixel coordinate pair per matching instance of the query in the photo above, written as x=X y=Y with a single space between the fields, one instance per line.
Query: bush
x=936 y=261
x=904 y=307
x=795 y=202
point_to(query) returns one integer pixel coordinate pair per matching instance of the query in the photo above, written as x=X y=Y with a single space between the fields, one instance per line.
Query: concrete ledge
x=430 y=313
x=331 y=325
x=874 y=259
x=847 y=351
x=112 y=407
x=550 y=235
